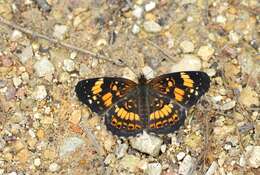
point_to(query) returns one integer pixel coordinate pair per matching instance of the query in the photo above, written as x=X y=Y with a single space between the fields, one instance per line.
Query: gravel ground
x=45 y=49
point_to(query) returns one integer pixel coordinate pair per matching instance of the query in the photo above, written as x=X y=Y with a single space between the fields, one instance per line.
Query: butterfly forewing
x=184 y=87
x=99 y=94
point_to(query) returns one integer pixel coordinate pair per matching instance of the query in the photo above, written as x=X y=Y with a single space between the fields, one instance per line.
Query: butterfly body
x=158 y=105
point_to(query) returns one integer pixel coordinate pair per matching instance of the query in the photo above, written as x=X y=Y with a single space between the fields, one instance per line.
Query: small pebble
x=234 y=37
x=2 y=83
x=135 y=29
x=109 y=159
x=228 y=106
x=84 y=70
x=39 y=93
x=6 y=61
x=205 y=52
x=221 y=19
x=146 y=143
x=10 y=93
x=25 y=76
x=16 y=35
x=187 y=46
x=25 y=55
x=2 y=144
x=69 y=145
x=17 y=81
x=12 y=173
x=188 y=63
x=75 y=117
x=180 y=156
x=212 y=169
x=187 y=166
x=130 y=163
x=121 y=150
x=252 y=157
x=54 y=167
x=43 y=67
x=60 y=31
x=37 y=162
x=69 y=65
x=152 y=26
x=248 y=97
x=154 y=169
x=138 y=11
x=163 y=148
x=150 y=6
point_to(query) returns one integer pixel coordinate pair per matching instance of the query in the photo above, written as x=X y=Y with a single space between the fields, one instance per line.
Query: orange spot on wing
x=188 y=84
x=161 y=114
x=179 y=91
x=132 y=116
x=156 y=115
x=124 y=113
x=152 y=116
x=114 y=88
x=137 y=117
x=164 y=111
x=178 y=97
x=106 y=96
x=168 y=108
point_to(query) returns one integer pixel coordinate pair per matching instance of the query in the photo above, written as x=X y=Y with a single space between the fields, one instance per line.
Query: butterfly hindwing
x=165 y=115
x=99 y=94
x=124 y=119
x=184 y=87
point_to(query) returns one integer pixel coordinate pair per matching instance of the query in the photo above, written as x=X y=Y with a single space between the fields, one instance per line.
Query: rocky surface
x=44 y=129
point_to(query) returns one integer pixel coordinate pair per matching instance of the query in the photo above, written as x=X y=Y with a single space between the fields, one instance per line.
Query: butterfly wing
x=124 y=118
x=184 y=87
x=165 y=115
x=99 y=94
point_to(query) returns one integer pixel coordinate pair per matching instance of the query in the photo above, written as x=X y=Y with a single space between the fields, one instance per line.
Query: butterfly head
x=142 y=79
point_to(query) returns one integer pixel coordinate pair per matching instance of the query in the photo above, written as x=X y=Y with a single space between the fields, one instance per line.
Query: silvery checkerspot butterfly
x=158 y=105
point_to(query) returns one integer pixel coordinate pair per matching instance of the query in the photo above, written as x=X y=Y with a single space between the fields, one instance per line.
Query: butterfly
x=158 y=105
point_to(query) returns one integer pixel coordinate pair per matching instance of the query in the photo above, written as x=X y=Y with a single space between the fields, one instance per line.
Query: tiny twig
x=55 y=41
x=206 y=12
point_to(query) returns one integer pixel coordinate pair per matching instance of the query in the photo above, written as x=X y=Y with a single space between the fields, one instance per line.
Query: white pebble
x=205 y=52
x=25 y=55
x=135 y=29
x=12 y=173
x=152 y=26
x=16 y=35
x=233 y=37
x=138 y=11
x=150 y=6
x=221 y=19
x=60 y=31
x=187 y=63
x=163 y=148
x=69 y=65
x=43 y=67
x=39 y=93
x=212 y=169
x=17 y=81
x=37 y=162
x=180 y=156
x=187 y=46
x=54 y=167
x=154 y=169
